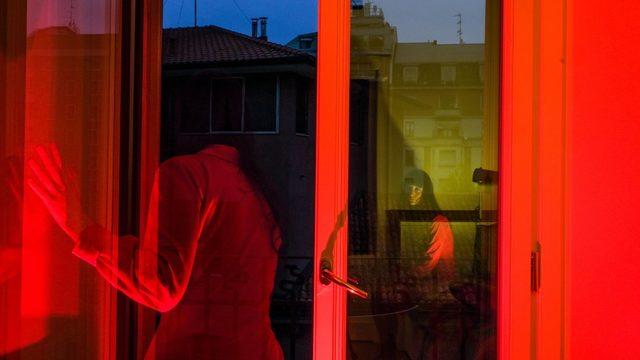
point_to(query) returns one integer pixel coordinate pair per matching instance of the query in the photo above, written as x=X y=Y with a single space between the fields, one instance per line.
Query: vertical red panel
x=150 y=67
x=63 y=93
x=516 y=187
x=603 y=176
x=332 y=184
x=550 y=147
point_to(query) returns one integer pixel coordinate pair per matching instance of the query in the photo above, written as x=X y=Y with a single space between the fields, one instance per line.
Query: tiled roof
x=213 y=44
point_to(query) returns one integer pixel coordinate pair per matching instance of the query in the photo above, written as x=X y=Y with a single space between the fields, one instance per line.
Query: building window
x=303 y=87
x=410 y=74
x=261 y=104
x=305 y=43
x=448 y=73
x=191 y=104
x=235 y=105
x=409 y=128
x=447 y=132
x=226 y=104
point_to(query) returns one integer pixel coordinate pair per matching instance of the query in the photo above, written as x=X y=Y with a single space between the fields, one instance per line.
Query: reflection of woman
x=438 y=254
x=206 y=259
x=437 y=268
x=435 y=265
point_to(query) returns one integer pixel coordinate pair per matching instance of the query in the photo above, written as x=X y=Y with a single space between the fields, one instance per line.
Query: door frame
x=534 y=157
x=530 y=176
x=332 y=175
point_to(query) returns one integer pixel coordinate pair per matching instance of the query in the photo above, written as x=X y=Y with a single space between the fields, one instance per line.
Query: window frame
x=242 y=130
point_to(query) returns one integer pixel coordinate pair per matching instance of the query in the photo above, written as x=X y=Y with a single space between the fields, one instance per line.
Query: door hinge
x=536 y=267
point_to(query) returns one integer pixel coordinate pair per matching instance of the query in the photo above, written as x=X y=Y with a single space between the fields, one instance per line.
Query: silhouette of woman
x=439 y=254
x=206 y=258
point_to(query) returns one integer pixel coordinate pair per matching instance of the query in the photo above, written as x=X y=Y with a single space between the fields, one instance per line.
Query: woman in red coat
x=206 y=259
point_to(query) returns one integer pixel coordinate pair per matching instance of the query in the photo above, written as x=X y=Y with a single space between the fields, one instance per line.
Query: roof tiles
x=213 y=44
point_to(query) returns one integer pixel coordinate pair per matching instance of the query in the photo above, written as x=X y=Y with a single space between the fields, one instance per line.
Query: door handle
x=327 y=277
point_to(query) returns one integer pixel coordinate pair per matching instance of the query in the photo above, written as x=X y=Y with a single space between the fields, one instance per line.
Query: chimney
x=263 y=28
x=254 y=27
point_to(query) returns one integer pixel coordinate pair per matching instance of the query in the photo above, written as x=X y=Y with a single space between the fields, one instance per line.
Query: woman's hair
x=421 y=179
x=256 y=177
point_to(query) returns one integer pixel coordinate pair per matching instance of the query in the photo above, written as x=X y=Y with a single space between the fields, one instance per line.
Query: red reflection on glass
x=206 y=259
x=440 y=254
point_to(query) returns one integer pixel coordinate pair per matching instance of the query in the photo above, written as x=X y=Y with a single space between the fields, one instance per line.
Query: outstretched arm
x=153 y=270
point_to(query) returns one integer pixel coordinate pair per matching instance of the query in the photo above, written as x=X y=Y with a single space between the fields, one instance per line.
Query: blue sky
x=417 y=20
x=287 y=18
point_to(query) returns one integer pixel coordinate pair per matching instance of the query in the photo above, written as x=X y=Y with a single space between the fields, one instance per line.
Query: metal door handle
x=327 y=277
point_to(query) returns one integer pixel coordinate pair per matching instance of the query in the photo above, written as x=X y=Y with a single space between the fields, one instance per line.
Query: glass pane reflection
x=423 y=161
x=244 y=79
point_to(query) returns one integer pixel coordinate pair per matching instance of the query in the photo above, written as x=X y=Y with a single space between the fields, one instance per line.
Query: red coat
x=207 y=260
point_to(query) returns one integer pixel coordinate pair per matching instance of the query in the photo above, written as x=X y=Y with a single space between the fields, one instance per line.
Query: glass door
x=407 y=177
x=422 y=180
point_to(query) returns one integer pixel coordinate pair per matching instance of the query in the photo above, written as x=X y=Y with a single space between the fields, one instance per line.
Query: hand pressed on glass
x=57 y=187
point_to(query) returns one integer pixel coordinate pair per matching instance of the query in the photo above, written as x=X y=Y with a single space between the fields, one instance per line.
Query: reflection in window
x=431 y=264
x=261 y=104
x=410 y=74
x=212 y=105
x=192 y=102
x=448 y=74
x=226 y=104
x=260 y=99
x=302 y=105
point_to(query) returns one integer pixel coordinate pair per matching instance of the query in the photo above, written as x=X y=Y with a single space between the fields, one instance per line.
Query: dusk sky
x=416 y=20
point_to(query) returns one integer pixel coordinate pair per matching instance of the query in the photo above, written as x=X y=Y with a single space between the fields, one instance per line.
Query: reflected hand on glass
x=327 y=254
x=56 y=186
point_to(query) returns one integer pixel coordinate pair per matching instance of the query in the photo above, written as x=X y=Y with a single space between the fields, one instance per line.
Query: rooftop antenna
x=459 y=16
x=195 y=13
x=72 y=22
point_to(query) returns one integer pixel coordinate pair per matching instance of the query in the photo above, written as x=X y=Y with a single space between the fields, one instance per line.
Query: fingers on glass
x=52 y=165
x=42 y=178
x=55 y=154
x=39 y=190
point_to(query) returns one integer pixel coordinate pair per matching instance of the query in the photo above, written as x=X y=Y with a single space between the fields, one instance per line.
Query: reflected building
x=413 y=105
x=221 y=86
x=437 y=95
x=429 y=107
x=224 y=87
